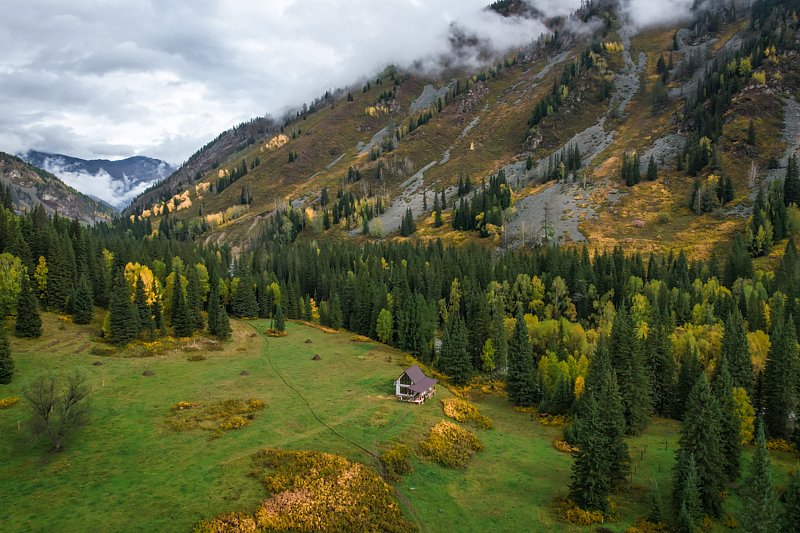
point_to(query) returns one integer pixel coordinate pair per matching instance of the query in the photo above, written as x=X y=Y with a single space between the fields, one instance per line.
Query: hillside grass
x=127 y=469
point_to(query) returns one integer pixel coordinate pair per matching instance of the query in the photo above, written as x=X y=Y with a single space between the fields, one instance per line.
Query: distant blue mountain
x=114 y=182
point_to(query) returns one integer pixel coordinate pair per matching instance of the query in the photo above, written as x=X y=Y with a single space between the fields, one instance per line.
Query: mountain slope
x=557 y=118
x=31 y=186
x=114 y=182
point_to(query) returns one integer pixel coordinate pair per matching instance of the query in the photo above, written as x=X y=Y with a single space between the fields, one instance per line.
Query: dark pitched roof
x=421 y=382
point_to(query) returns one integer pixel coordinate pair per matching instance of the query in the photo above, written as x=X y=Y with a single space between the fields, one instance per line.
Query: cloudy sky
x=111 y=79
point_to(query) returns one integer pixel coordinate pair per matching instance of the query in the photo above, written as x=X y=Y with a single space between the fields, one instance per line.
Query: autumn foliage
x=312 y=491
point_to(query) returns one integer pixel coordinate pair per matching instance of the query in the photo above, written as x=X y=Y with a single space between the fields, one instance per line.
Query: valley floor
x=127 y=470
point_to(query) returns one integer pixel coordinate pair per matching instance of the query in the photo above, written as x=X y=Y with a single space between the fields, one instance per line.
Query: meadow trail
x=403 y=499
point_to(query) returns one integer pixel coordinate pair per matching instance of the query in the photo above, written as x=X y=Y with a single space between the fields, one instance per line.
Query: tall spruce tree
x=194 y=299
x=213 y=309
x=82 y=301
x=278 y=320
x=627 y=360
x=758 y=491
x=700 y=438
x=521 y=378
x=601 y=382
x=6 y=362
x=661 y=367
x=790 y=517
x=591 y=482
x=687 y=377
x=244 y=303
x=181 y=322
x=123 y=320
x=780 y=380
x=142 y=307
x=499 y=337
x=730 y=424
x=29 y=323
x=222 y=328
x=454 y=359
x=736 y=351
x=686 y=501
x=791 y=184
x=652 y=169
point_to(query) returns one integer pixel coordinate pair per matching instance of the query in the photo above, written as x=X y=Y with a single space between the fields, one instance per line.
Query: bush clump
x=217 y=416
x=313 y=491
x=5 y=403
x=395 y=461
x=463 y=411
x=450 y=445
x=196 y=357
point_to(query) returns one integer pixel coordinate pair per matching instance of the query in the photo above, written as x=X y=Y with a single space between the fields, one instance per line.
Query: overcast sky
x=111 y=79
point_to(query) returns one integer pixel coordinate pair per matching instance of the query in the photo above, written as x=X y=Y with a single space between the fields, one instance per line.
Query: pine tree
x=601 y=382
x=278 y=320
x=181 y=321
x=655 y=513
x=29 y=323
x=686 y=487
x=700 y=437
x=791 y=184
x=222 y=329
x=214 y=303
x=82 y=301
x=336 y=319
x=758 y=491
x=652 y=169
x=124 y=322
x=591 y=483
x=791 y=513
x=779 y=380
x=751 y=133
x=736 y=351
x=6 y=362
x=521 y=377
x=627 y=361
x=194 y=299
x=661 y=367
x=730 y=424
x=499 y=337
x=437 y=212
x=455 y=359
x=244 y=303
x=687 y=377
x=142 y=308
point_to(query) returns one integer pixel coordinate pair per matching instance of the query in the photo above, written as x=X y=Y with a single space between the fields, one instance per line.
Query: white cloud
x=117 y=78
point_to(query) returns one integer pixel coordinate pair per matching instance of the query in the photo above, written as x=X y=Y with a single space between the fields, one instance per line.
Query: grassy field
x=127 y=470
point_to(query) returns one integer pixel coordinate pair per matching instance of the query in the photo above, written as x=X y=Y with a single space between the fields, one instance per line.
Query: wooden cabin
x=414 y=386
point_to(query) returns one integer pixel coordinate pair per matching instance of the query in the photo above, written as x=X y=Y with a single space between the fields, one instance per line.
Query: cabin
x=414 y=386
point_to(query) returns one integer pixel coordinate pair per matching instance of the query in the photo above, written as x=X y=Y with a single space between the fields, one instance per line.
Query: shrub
x=565 y=447
x=5 y=403
x=463 y=411
x=664 y=218
x=645 y=526
x=217 y=416
x=275 y=333
x=229 y=523
x=450 y=445
x=582 y=517
x=395 y=461
x=553 y=420
x=102 y=351
x=312 y=491
x=196 y=357
x=233 y=422
x=781 y=445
